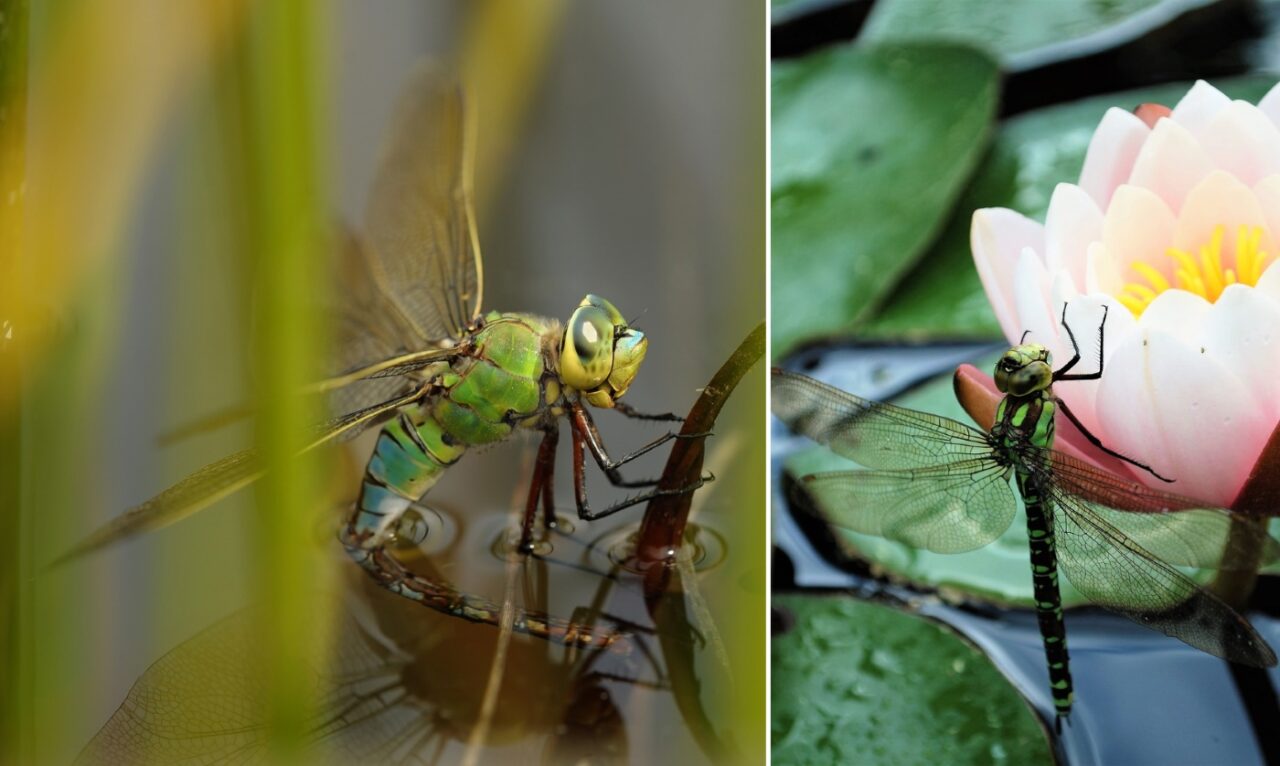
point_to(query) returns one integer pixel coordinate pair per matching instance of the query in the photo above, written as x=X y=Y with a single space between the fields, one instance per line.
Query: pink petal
x=1244 y=142
x=1270 y=104
x=1074 y=222
x=1201 y=104
x=1137 y=227
x=1102 y=274
x=1219 y=200
x=1112 y=151
x=1183 y=413
x=997 y=237
x=1150 y=113
x=1171 y=163
x=1032 y=301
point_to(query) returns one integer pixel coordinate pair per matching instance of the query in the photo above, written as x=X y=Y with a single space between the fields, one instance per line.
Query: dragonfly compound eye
x=601 y=354
x=1023 y=370
x=586 y=356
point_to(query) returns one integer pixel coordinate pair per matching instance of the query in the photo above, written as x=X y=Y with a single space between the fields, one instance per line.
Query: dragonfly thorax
x=1024 y=369
x=600 y=354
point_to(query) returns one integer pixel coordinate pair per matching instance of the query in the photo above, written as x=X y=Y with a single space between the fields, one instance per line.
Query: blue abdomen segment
x=407 y=461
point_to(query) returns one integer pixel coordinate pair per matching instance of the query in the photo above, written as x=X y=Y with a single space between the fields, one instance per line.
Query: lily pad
x=855 y=682
x=943 y=297
x=1024 y=33
x=871 y=147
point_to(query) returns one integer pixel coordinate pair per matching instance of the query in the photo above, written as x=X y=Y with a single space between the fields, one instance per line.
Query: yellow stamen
x=1156 y=279
x=1205 y=276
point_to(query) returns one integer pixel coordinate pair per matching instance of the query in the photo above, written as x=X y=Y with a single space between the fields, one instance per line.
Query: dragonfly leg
x=1061 y=372
x=389 y=573
x=584 y=426
x=1095 y=441
x=582 y=439
x=540 y=488
x=631 y=412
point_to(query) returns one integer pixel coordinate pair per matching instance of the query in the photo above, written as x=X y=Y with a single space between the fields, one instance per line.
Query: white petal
x=1201 y=104
x=1242 y=332
x=1219 y=200
x=1171 y=163
x=1178 y=313
x=1074 y=221
x=1183 y=413
x=1268 y=193
x=997 y=237
x=1244 y=142
x=1269 y=284
x=1138 y=227
x=1112 y=151
x=1270 y=104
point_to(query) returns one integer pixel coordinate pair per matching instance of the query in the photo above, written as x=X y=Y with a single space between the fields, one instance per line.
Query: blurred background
x=892 y=121
x=165 y=169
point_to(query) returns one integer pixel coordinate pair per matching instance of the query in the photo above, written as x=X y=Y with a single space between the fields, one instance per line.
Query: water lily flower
x=1174 y=226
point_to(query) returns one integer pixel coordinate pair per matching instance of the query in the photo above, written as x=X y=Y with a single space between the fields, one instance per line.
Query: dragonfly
x=943 y=486
x=440 y=375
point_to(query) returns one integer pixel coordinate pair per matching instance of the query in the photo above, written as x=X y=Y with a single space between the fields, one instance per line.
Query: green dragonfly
x=420 y=357
x=943 y=486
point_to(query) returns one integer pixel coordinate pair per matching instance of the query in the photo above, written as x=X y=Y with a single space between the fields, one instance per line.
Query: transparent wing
x=421 y=246
x=205 y=702
x=871 y=433
x=1114 y=571
x=217 y=480
x=948 y=508
x=1172 y=528
x=372 y=350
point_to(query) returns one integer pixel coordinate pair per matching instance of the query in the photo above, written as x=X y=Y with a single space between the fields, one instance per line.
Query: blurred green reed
x=13 y=115
x=287 y=218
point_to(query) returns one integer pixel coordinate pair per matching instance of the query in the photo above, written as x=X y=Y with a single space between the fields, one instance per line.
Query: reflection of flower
x=1174 y=226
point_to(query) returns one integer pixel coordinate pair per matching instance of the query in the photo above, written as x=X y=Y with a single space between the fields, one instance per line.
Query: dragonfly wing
x=203 y=702
x=422 y=247
x=948 y=508
x=871 y=433
x=217 y=480
x=1173 y=528
x=1112 y=570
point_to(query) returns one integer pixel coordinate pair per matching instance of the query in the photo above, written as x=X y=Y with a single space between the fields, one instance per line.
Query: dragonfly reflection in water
x=419 y=356
x=940 y=485
x=382 y=697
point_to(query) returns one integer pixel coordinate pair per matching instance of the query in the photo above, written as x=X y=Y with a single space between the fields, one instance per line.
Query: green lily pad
x=871 y=147
x=855 y=682
x=1019 y=32
x=943 y=297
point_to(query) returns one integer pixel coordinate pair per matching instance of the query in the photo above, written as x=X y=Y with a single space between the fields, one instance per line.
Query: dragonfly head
x=1024 y=369
x=600 y=353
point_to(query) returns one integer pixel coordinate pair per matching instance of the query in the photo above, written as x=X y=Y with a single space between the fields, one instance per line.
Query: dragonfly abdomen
x=1044 y=580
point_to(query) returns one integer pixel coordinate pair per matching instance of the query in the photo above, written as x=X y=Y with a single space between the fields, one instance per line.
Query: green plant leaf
x=1022 y=33
x=871 y=147
x=942 y=297
x=855 y=682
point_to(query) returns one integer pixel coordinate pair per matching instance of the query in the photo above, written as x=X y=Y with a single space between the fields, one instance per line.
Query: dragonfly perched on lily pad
x=419 y=356
x=943 y=486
